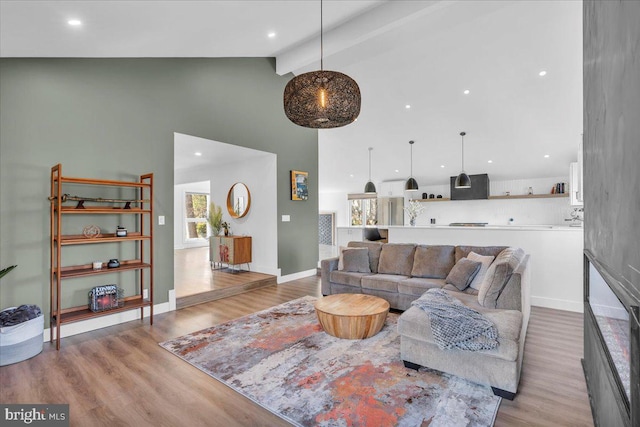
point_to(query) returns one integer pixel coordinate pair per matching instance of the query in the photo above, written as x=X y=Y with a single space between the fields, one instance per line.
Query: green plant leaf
x=5 y=271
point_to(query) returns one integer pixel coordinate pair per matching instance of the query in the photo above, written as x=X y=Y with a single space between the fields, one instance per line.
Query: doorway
x=204 y=172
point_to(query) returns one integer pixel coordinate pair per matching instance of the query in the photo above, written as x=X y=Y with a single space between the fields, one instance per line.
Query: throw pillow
x=462 y=274
x=486 y=262
x=356 y=260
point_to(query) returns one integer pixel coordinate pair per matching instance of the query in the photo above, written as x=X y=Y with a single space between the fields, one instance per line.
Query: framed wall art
x=299 y=190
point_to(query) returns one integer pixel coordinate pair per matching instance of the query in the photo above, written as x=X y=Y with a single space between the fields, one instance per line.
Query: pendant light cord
x=321 y=40
x=463 y=154
x=370 y=163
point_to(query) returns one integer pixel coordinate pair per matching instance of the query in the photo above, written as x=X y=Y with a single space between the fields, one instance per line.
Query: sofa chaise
x=402 y=273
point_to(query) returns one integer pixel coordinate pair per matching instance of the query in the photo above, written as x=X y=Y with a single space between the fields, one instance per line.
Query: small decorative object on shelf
x=97 y=265
x=439 y=196
x=106 y=297
x=113 y=263
x=413 y=210
x=91 y=231
x=530 y=191
x=121 y=232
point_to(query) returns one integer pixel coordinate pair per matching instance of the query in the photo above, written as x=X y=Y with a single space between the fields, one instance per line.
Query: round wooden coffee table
x=352 y=316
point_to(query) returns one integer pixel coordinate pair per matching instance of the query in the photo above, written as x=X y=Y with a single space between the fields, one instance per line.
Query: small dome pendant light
x=411 y=184
x=462 y=180
x=322 y=99
x=370 y=187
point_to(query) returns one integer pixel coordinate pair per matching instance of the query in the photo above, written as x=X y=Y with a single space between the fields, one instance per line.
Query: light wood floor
x=195 y=282
x=119 y=376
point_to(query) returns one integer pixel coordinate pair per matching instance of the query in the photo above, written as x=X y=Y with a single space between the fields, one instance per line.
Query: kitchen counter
x=490 y=227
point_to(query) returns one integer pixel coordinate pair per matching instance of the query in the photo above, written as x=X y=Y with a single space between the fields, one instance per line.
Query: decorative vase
x=412 y=221
x=226 y=231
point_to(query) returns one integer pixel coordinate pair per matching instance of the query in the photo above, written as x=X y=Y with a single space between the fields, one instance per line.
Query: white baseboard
x=108 y=320
x=296 y=276
x=264 y=269
x=558 y=304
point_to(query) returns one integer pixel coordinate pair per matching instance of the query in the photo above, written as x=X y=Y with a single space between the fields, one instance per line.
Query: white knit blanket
x=455 y=325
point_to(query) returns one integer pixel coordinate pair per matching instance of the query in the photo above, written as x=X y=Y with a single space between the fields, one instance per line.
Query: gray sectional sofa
x=401 y=273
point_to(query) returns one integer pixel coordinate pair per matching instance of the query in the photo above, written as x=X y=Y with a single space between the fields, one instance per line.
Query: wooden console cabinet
x=230 y=250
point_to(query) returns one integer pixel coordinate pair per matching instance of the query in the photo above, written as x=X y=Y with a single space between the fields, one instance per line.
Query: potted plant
x=215 y=218
x=414 y=209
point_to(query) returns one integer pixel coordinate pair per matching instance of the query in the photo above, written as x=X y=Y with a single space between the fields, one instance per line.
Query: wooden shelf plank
x=103 y=210
x=442 y=199
x=519 y=196
x=87 y=270
x=530 y=196
x=75 y=314
x=79 y=239
x=107 y=182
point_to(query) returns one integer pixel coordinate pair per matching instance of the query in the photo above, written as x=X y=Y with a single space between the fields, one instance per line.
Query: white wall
x=259 y=175
x=523 y=211
x=179 y=232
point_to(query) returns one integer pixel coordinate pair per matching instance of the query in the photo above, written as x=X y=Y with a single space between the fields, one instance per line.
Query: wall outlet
x=145 y=294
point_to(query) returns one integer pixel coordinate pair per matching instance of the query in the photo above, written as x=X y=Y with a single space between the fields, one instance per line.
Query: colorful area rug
x=281 y=359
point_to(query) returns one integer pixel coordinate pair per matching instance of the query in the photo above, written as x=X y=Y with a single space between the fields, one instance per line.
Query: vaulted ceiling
x=424 y=54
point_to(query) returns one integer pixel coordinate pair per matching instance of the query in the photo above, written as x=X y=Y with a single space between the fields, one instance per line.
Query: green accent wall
x=115 y=119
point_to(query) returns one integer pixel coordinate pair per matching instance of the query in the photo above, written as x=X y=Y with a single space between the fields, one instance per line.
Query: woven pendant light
x=462 y=180
x=411 y=184
x=322 y=99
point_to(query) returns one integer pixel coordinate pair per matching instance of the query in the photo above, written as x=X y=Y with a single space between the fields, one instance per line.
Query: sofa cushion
x=498 y=275
x=355 y=260
x=382 y=282
x=347 y=278
x=486 y=261
x=415 y=324
x=374 y=252
x=396 y=258
x=462 y=274
x=463 y=251
x=418 y=285
x=469 y=290
x=433 y=261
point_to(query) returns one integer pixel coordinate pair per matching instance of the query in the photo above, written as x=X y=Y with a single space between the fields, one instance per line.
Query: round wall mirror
x=238 y=200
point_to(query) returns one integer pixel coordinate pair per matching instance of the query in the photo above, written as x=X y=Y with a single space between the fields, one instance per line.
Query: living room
x=110 y=114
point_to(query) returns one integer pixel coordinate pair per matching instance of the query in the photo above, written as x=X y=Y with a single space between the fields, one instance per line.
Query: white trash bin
x=21 y=341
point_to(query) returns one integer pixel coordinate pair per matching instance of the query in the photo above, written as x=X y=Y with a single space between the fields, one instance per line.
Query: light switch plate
x=161 y=220
x=286 y=218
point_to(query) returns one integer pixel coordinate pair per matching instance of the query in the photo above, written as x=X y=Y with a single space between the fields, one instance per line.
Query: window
x=363 y=212
x=196 y=211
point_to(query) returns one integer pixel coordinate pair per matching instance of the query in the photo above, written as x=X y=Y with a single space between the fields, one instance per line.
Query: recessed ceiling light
x=197 y=153
x=466 y=92
x=441 y=166
x=397 y=171
x=271 y=35
x=546 y=156
x=407 y=106
x=489 y=161
x=74 y=22
x=351 y=176
x=542 y=73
